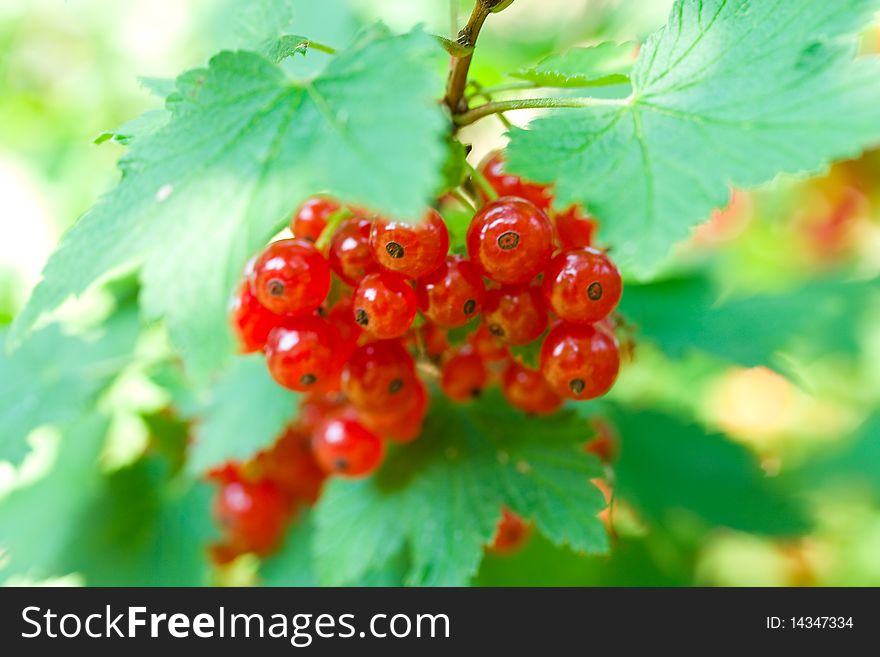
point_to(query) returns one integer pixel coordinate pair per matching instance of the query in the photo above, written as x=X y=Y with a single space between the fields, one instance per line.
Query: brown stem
x=458 y=73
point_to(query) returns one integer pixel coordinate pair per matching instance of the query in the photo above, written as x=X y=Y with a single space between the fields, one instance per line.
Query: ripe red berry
x=515 y=315
x=291 y=277
x=526 y=389
x=351 y=257
x=343 y=446
x=505 y=184
x=413 y=250
x=579 y=361
x=341 y=315
x=434 y=339
x=251 y=321
x=573 y=228
x=310 y=220
x=403 y=423
x=487 y=345
x=464 y=375
x=378 y=375
x=291 y=466
x=510 y=240
x=251 y=514
x=452 y=294
x=304 y=355
x=582 y=285
x=384 y=305
x=510 y=535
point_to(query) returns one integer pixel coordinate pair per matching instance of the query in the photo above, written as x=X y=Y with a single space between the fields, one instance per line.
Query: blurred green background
x=70 y=71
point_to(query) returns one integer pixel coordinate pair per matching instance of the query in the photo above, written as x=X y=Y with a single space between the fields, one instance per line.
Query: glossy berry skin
x=341 y=315
x=527 y=390
x=452 y=294
x=510 y=241
x=292 y=467
x=310 y=220
x=412 y=250
x=251 y=514
x=582 y=285
x=515 y=315
x=291 y=277
x=304 y=355
x=487 y=345
x=251 y=321
x=574 y=229
x=463 y=376
x=579 y=361
x=511 y=534
x=434 y=339
x=506 y=184
x=403 y=423
x=378 y=375
x=384 y=305
x=350 y=255
x=345 y=447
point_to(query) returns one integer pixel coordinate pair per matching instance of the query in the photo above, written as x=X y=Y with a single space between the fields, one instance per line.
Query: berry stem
x=462 y=198
x=333 y=222
x=323 y=47
x=478 y=177
x=460 y=66
x=488 y=109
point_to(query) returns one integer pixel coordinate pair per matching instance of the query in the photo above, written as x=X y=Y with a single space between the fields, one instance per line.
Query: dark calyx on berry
x=470 y=306
x=594 y=291
x=395 y=386
x=496 y=330
x=340 y=464
x=395 y=250
x=508 y=240
x=275 y=287
x=577 y=386
x=308 y=379
x=361 y=317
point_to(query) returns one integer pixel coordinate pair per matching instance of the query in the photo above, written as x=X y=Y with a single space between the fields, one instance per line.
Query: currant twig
x=458 y=74
x=462 y=198
x=495 y=107
x=484 y=185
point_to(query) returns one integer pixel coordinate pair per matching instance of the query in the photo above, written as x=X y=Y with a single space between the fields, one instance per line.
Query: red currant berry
x=510 y=240
x=292 y=467
x=291 y=277
x=341 y=315
x=304 y=355
x=487 y=345
x=526 y=389
x=310 y=220
x=378 y=375
x=402 y=424
x=343 y=446
x=515 y=315
x=413 y=250
x=452 y=294
x=579 y=361
x=314 y=409
x=252 y=514
x=505 y=184
x=384 y=305
x=582 y=285
x=573 y=228
x=251 y=322
x=434 y=339
x=351 y=257
x=604 y=444
x=463 y=376
x=511 y=534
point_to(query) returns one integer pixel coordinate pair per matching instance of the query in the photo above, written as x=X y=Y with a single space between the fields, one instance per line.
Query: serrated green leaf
x=730 y=92
x=224 y=431
x=161 y=87
x=441 y=497
x=54 y=377
x=603 y=64
x=144 y=125
x=286 y=45
x=687 y=314
x=669 y=466
x=244 y=145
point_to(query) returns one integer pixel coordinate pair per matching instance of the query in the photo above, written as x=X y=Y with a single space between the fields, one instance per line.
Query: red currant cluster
x=333 y=309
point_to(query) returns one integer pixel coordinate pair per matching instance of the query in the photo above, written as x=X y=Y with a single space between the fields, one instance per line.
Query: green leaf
x=161 y=87
x=669 y=466
x=603 y=64
x=146 y=124
x=39 y=521
x=55 y=376
x=227 y=432
x=244 y=145
x=686 y=314
x=529 y=354
x=730 y=92
x=454 y=48
x=441 y=497
x=286 y=45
